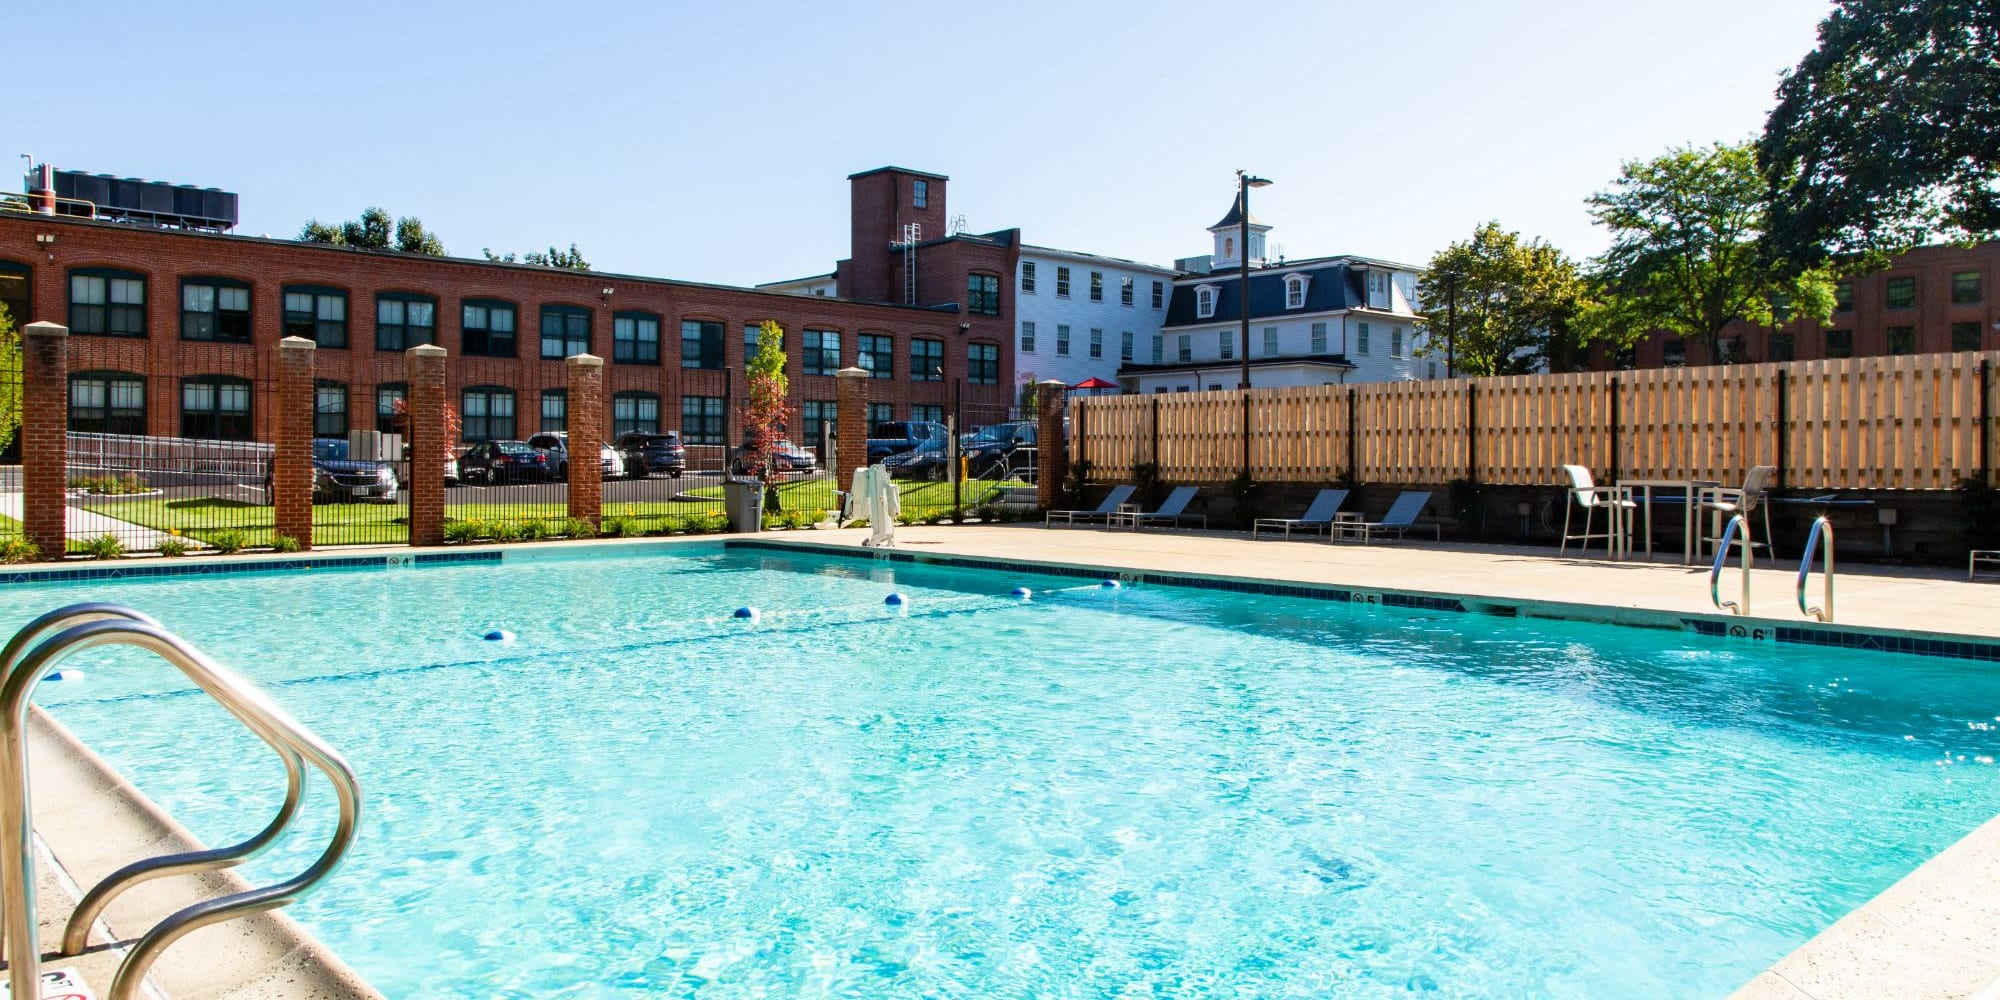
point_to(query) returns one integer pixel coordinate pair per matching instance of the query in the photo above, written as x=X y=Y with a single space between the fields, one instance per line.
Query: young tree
x=1887 y=135
x=764 y=412
x=10 y=379
x=375 y=230
x=1498 y=305
x=1687 y=255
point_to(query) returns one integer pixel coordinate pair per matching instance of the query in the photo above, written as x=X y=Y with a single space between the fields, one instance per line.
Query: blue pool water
x=1146 y=792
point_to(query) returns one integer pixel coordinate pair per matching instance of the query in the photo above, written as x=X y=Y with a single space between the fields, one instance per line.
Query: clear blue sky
x=712 y=141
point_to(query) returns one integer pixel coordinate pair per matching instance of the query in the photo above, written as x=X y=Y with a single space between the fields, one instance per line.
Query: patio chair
x=1399 y=521
x=1173 y=511
x=1723 y=503
x=1587 y=494
x=1117 y=496
x=1318 y=516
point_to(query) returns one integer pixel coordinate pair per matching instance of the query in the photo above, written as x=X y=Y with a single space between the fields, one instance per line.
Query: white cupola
x=1229 y=232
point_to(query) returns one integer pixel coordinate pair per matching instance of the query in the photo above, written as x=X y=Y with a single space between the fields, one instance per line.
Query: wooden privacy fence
x=1907 y=422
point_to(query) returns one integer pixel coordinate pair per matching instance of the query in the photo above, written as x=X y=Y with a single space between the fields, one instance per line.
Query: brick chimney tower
x=884 y=201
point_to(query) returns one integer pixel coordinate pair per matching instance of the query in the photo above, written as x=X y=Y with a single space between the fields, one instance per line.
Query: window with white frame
x=1319 y=338
x=1125 y=347
x=1187 y=347
x=1159 y=295
x=1361 y=338
x=1097 y=343
x=1062 y=340
x=1124 y=291
x=1378 y=289
x=1270 y=341
x=1204 y=302
x=1225 y=344
x=1097 y=286
x=1395 y=341
x=1027 y=276
x=1159 y=350
x=1027 y=336
x=1295 y=292
x=1062 y=282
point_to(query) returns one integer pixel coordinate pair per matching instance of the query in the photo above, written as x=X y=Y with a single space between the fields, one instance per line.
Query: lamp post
x=1244 y=182
x=1451 y=324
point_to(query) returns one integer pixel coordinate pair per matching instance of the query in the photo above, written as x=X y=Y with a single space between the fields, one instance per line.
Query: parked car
x=786 y=458
x=339 y=479
x=894 y=436
x=930 y=460
x=495 y=462
x=611 y=464
x=658 y=452
x=996 y=451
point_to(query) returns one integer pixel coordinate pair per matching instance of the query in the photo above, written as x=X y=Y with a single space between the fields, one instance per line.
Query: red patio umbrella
x=1094 y=383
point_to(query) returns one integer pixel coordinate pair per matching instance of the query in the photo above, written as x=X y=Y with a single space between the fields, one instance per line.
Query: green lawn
x=202 y=518
x=818 y=494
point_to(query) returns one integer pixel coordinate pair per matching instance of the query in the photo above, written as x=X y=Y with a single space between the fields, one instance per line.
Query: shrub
x=131 y=484
x=533 y=529
x=711 y=522
x=577 y=527
x=464 y=531
x=935 y=516
x=173 y=548
x=19 y=550
x=103 y=547
x=508 y=531
x=987 y=513
x=228 y=542
x=285 y=543
x=617 y=527
x=802 y=519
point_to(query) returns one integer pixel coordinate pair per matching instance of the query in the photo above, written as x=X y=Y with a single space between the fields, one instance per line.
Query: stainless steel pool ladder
x=84 y=626
x=1821 y=526
x=1742 y=605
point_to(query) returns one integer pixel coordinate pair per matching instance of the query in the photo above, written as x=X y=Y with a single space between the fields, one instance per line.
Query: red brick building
x=172 y=330
x=1928 y=301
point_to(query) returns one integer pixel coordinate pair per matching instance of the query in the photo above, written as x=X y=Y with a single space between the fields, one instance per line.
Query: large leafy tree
x=571 y=259
x=1687 y=255
x=1501 y=305
x=1887 y=135
x=375 y=230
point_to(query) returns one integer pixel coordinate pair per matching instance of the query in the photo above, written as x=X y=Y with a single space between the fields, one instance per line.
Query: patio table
x=1642 y=492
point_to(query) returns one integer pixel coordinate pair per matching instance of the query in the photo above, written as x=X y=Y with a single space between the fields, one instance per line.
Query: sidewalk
x=80 y=523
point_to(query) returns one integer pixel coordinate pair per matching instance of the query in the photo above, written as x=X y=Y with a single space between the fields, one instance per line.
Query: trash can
x=743 y=499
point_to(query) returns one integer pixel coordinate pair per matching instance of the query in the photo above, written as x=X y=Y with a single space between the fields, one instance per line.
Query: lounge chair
x=1173 y=512
x=1112 y=500
x=1318 y=516
x=1402 y=517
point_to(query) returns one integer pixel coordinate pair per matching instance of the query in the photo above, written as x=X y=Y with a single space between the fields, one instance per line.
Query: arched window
x=1204 y=301
x=17 y=292
x=107 y=403
x=565 y=331
x=486 y=328
x=635 y=338
x=107 y=302
x=329 y=409
x=488 y=412
x=316 y=313
x=701 y=344
x=403 y=320
x=390 y=398
x=876 y=352
x=215 y=309
x=982 y=364
x=982 y=293
x=1295 y=291
x=927 y=359
x=216 y=407
x=635 y=413
x=555 y=410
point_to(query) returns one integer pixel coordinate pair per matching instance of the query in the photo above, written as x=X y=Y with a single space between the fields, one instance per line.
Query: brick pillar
x=291 y=466
x=851 y=447
x=45 y=434
x=424 y=367
x=586 y=436
x=1051 y=451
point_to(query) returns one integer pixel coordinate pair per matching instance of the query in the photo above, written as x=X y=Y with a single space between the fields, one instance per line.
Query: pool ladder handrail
x=83 y=626
x=1821 y=526
x=1742 y=606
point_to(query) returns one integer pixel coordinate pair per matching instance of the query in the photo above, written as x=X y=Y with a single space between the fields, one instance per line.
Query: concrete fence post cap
x=852 y=373
x=297 y=344
x=1058 y=383
x=45 y=329
x=426 y=351
x=584 y=361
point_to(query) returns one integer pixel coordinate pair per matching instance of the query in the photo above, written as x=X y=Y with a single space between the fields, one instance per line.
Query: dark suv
x=999 y=451
x=495 y=462
x=658 y=452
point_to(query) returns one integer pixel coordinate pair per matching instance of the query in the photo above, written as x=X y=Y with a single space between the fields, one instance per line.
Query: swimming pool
x=1148 y=791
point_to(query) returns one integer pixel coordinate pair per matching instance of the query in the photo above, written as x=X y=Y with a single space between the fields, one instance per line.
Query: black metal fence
x=172 y=495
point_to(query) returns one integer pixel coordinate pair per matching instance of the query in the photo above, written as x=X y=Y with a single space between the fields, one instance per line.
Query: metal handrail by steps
x=85 y=626
x=1737 y=607
x=1821 y=526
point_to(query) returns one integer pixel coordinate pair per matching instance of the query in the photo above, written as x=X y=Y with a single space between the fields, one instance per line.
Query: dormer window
x=1295 y=291
x=1378 y=290
x=1204 y=302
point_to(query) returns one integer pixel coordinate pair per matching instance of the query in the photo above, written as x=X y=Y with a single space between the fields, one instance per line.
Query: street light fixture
x=1244 y=182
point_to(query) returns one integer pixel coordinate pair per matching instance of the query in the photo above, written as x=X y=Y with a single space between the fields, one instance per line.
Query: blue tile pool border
x=1719 y=627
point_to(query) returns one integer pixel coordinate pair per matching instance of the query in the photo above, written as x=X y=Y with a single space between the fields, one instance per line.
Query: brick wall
x=165 y=257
